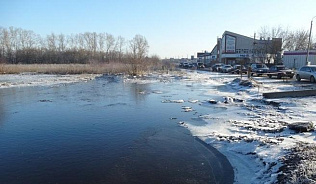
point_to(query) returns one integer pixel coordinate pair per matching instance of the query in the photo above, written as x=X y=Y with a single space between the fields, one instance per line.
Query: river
x=105 y=131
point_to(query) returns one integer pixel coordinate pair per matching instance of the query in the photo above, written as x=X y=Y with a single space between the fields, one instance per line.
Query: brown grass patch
x=110 y=68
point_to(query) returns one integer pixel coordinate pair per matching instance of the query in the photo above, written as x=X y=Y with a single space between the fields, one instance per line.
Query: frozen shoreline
x=33 y=79
x=253 y=132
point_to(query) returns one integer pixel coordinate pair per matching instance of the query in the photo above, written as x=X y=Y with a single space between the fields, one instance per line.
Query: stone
x=302 y=126
x=212 y=102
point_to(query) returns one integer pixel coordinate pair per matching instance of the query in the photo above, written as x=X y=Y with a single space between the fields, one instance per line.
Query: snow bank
x=32 y=79
x=254 y=132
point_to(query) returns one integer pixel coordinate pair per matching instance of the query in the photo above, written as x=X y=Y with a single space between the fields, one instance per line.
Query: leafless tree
x=291 y=40
x=138 y=52
x=109 y=46
x=24 y=46
x=61 y=43
x=120 y=42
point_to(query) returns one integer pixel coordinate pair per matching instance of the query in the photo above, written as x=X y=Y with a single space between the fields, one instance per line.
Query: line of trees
x=26 y=47
x=291 y=40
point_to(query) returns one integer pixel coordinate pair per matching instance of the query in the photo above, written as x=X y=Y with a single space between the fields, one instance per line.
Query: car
x=186 y=65
x=217 y=66
x=280 y=71
x=239 y=69
x=226 y=68
x=259 y=69
x=306 y=72
x=200 y=65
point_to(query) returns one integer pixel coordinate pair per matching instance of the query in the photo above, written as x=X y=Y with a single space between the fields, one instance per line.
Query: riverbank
x=252 y=132
x=35 y=79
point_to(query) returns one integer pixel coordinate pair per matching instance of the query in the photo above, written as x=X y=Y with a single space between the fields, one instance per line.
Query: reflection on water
x=103 y=131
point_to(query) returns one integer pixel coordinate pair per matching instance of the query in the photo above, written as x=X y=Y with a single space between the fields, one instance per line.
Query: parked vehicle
x=280 y=71
x=306 y=72
x=185 y=65
x=226 y=68
x=217 y=66
x=200 y=65
x=239 y=69
x=259 y=69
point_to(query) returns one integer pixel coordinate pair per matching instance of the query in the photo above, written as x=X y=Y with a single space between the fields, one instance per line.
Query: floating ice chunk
x=157 y=92
x=172 y=101
x=187 y=109
x=193 y=101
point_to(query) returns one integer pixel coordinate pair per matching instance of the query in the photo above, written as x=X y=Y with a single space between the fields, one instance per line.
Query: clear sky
x=173 y=28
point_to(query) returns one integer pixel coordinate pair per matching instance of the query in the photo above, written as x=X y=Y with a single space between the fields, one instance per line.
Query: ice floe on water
x=172 y=101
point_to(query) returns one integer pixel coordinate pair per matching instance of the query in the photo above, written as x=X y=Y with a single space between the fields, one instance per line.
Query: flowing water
x=105 y=131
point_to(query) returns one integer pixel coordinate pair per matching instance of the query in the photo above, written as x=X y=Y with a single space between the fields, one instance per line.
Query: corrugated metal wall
x=297 y=59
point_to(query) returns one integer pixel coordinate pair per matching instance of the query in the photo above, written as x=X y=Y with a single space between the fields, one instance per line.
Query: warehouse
x=297 y=59
x=235 y=48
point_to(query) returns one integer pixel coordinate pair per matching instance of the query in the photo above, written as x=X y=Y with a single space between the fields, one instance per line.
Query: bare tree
x=139 y=47
x=120 y=42
x=24 y=46
x=109 y=46
x=291 y=40
x=297 y=40
x=138 y=51
x=72 y=42
x=62 y=43
x=90 y=40
x=268 y=33
x=301 y=40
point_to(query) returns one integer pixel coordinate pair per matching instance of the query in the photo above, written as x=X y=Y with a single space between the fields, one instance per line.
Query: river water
x=105 y=131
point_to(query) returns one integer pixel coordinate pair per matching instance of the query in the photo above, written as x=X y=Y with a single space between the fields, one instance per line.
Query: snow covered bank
x=33 y=79
x=254 y=132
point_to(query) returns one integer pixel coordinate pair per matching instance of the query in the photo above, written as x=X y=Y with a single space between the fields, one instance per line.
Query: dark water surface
x=104 y=131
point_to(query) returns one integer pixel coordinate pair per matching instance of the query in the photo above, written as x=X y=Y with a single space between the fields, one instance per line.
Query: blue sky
x=173 y=28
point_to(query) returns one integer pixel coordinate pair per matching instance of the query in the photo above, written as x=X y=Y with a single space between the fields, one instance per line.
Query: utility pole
x=253 y=48
x=309 y=41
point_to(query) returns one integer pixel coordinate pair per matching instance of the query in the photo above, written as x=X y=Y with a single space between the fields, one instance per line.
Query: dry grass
x=111 y=68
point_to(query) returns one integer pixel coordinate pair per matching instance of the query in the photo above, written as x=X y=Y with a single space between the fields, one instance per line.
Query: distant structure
x=233 y=48
x=204 y=57
x=297 y=59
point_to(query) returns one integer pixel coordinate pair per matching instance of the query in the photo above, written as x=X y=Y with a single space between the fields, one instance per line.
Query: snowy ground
x=251 y=131
x=33 y=79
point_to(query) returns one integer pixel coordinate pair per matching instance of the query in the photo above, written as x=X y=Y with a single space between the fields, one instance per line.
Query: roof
x=235 y=34
x=299 y=52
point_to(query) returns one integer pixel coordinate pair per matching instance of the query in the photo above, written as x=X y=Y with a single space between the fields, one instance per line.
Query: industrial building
x=236 y=48
x=297 y=59
x=233 y=48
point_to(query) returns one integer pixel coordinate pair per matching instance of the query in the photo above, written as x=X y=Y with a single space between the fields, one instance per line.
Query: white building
x=235 y=48
x=297 y=59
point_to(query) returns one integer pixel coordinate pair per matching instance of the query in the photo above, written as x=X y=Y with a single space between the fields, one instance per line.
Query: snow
x=33 y=79
x=251 y=131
